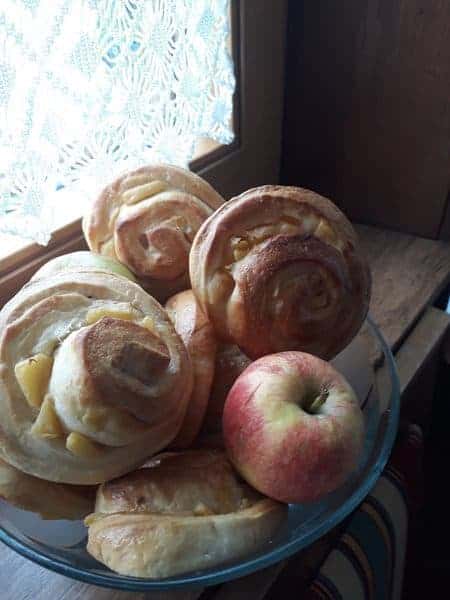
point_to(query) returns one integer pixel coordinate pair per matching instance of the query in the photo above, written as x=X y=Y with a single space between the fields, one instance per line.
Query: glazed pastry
x=147 y=220
x=279 y=268
x=48 y=499
x=198 y=336
x=180 y=513
x=93 y=378
x=82 y=261
x=230 y=363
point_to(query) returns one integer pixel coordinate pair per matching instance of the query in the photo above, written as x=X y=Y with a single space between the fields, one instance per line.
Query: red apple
x=293 y=427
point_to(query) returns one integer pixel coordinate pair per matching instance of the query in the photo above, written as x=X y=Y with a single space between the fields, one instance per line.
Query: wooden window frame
x=259 y=27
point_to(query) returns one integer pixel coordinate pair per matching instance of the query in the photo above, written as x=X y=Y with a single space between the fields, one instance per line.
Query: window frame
x=259 y=31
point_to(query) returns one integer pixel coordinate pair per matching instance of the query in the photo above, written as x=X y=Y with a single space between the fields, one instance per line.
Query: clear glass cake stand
x=60 y=545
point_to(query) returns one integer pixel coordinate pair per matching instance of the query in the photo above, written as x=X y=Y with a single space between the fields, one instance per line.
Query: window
x=258 y=32
x=90 y=89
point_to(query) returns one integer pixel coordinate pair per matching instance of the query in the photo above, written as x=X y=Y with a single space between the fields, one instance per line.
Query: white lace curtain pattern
x=90 y=88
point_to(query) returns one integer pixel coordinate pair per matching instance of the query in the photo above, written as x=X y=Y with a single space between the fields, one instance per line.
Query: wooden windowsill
x=408 y=274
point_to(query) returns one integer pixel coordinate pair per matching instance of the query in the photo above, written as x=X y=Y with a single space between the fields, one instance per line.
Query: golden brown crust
x=279 y=268
x=198 y=336
x=193 y=481
x=48 y=499
x=135 y=357
x=147 y=220
x=117 y=385
x=183 y=512
x=157 y=546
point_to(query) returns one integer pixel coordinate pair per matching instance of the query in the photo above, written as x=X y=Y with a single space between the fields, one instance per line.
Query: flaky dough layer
x=147 y=220
x=279 y=268
x=93 y=378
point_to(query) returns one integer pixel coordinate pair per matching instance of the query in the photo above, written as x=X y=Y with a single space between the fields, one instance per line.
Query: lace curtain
x=90 y=88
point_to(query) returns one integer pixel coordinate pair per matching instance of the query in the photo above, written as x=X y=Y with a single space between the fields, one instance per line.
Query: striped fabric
x=368 y=561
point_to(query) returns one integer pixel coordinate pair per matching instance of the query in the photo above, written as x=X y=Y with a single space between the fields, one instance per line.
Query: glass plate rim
x=120 y=582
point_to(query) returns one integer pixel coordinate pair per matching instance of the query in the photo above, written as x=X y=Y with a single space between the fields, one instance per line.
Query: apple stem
x=317 y=402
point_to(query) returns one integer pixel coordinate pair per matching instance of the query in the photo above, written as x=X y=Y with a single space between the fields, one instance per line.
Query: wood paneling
x=261 y=68
x=11 y=282
x=367 y=118
x=408 y=274
x=444 y=232
x=417 y=364
x=422 y=344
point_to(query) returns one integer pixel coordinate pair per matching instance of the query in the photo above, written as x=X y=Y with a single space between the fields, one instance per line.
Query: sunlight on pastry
x=82 y=260
x=102 y=382
x=127 y=314
x=143 y=192
x=147 y=220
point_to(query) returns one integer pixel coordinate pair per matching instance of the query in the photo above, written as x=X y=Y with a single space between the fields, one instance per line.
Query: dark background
x=367 y=123
x=367 y=109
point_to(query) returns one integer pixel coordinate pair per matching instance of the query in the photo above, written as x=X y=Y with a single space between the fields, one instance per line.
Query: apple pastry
x=93 y=377
x=48 y=499
x=279 y=268
x=147 y=220
x=181 y=512
x=82 y=261
x=198 y=336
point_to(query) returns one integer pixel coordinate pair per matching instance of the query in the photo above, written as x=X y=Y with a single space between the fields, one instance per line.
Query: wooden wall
x=367 y=109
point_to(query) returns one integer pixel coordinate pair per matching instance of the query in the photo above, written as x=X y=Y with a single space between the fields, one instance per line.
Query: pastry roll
x=147 y=220
x=180 y=513
x=82 y=261
x=230 y=363
x=279 y=268
x=93 y=378
x=48 y=499
x=198 y=336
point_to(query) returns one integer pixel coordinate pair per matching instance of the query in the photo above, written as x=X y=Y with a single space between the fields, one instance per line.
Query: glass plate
x=60 y=545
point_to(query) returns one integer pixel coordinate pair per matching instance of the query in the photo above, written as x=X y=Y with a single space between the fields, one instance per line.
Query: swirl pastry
x=93 y=378
x=48 y=499
x=198 y=336
x=147 y=220
x=279 y=268
x=180 y=513
x=82 y=261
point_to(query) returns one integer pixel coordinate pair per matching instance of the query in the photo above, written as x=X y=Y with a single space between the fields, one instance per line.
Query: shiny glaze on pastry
x=147 y=220
x=279 y=268
x=180 y=513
